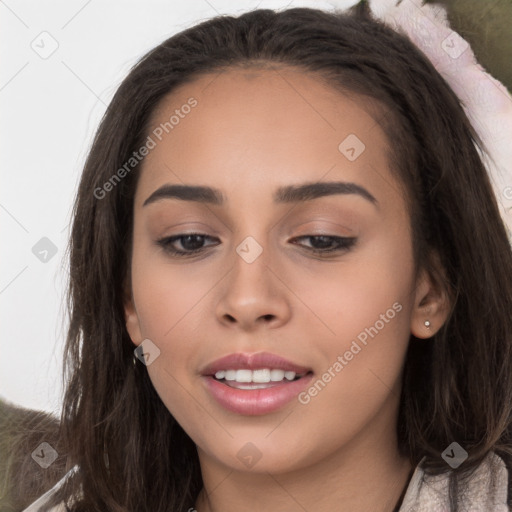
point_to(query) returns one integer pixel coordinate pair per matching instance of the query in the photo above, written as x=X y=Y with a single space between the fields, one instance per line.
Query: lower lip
x=252 y=402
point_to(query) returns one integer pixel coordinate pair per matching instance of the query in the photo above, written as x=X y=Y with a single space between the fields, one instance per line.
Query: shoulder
x=487 y=489
x=61 y=507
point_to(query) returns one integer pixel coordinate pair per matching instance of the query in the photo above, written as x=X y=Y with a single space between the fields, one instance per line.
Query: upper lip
x=242 y=361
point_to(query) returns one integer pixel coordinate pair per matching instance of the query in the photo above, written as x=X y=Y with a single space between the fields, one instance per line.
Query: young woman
x=290 y=285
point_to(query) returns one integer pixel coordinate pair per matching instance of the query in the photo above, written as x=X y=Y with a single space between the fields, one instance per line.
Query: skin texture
x=251 y=132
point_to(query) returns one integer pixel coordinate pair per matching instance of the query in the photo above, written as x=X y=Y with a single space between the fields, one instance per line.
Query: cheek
x=345 y=298
x=369 y=316
x=167 y=295
x=364 y=306
x=167 y=301
x=168 y=307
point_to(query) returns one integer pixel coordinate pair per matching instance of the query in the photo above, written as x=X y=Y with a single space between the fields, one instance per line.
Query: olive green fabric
x=487 y=26
x=22 y=480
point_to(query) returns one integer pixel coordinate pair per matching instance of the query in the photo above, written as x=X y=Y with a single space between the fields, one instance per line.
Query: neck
x=344 y=481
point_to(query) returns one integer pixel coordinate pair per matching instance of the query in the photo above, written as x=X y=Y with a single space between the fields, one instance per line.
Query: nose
x=253 y=296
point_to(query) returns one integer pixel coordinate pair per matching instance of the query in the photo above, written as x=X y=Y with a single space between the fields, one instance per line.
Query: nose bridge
x=250 y=274
x=252 y=293
x=251 y=235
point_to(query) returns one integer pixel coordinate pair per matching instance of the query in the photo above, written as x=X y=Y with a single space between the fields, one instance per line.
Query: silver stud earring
x=427 y=324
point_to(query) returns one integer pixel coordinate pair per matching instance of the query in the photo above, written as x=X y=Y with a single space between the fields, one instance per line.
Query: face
x=276 y=277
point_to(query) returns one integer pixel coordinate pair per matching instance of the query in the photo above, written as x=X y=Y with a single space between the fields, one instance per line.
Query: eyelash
x=343 y=244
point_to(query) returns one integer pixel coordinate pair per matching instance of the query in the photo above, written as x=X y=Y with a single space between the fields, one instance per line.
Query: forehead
x=260 y=126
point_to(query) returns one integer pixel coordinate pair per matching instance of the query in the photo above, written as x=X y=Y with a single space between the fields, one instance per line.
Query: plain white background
x=61 y=64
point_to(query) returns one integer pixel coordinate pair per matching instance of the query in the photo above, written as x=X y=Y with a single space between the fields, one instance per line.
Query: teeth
x=261 y=375
x=243 y=375
x=258 y=376
x=230 y=375
x=276 y=375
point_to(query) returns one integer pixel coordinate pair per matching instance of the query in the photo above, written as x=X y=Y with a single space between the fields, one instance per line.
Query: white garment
x=34 y=507
x=430 y=493
x=424 y=493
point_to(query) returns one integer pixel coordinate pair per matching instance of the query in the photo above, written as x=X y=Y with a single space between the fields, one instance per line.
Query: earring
x=427 y=324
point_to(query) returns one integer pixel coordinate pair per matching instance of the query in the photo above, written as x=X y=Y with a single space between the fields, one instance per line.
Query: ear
x=431 y=301
x=131 y=316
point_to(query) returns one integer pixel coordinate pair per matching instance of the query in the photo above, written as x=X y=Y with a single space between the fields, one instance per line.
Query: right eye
x=192 y=244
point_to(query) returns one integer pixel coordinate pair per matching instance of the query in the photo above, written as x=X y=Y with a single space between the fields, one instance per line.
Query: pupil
x=325 y=239
x=195 y=238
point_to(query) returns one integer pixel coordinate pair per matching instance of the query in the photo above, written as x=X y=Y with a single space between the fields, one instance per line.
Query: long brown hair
x=457 y=386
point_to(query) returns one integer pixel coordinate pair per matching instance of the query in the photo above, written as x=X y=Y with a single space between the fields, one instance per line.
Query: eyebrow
x=288 y=194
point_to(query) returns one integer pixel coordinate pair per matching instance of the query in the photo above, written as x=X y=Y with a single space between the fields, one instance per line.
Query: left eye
x=323 y=244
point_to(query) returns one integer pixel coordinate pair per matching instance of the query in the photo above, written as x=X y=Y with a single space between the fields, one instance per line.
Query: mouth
x=254 y=384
